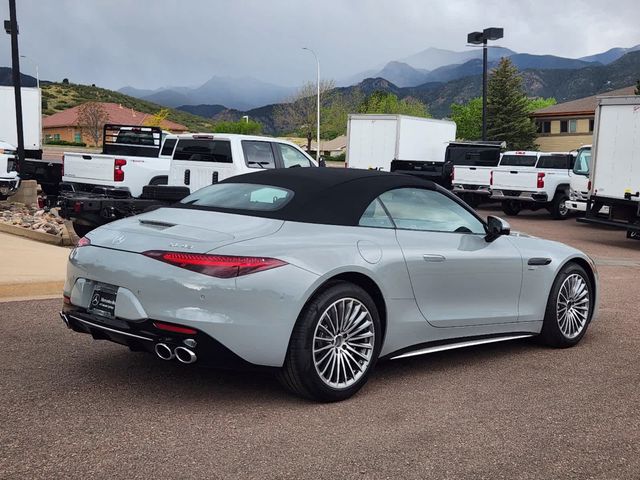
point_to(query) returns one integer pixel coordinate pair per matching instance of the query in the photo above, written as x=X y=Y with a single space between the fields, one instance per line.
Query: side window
x=258 y=154
x=204 y=150
x=292 y=157
x=429 y=210
x=375 y=216
x=167 y=148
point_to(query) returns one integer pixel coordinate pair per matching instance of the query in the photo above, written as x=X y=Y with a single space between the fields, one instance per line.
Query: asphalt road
x=71 y=407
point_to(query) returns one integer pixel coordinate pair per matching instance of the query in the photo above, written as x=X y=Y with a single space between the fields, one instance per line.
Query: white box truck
x=399 y=143
x=31 y=119
x=615 y=171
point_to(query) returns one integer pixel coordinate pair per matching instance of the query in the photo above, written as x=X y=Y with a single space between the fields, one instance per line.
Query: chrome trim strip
x=451 y=346
x=110 y=329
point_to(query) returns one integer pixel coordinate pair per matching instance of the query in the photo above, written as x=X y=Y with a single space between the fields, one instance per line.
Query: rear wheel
x=80 y=229
x=558 y=207
x=3 y=197
x=569 y=308
x=511 y=207
x=334 y=345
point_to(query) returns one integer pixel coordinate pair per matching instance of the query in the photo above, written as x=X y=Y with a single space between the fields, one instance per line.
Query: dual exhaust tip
x=183 y=354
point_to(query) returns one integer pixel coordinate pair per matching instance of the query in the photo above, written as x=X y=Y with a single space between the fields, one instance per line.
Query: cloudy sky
x=154 y=43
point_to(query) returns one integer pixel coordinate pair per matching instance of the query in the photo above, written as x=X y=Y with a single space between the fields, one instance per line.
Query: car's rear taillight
x=83 y=242
x=118 y=173
x=221 y=266
x=491 y=178
x=541 y=176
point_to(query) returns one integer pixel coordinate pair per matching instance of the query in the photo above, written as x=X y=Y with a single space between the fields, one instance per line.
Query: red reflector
x=77 y=207
x=174 y=328
x=66 y=300
x=221 y=266
x=83 y=242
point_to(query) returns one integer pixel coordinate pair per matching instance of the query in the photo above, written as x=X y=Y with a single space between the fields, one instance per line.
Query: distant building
x=330 y=148
x=566 y=126
x=64 y=125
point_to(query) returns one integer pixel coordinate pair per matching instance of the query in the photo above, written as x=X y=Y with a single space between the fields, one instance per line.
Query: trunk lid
x=181 y=230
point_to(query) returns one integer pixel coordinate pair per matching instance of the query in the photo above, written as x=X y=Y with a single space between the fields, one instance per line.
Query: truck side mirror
x=496 y=227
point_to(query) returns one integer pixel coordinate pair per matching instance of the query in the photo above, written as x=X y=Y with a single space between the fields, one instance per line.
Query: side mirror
x=496 y=227
x=322 y=162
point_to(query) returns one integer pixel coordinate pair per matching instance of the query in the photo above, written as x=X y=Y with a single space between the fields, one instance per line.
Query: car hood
x=181 y=229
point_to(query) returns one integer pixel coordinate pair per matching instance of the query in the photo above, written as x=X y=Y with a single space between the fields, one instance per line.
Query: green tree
x=386 y=102
x=508 y=110
x=244 y=127
x=637 y=92
x=468 y=116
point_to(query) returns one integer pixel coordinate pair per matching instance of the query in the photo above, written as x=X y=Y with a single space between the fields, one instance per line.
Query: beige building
x=566 y=126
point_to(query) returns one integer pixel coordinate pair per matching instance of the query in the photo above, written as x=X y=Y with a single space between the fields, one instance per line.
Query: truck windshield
x=581 y=167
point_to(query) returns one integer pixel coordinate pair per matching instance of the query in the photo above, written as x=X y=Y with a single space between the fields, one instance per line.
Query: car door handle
x=430 y=257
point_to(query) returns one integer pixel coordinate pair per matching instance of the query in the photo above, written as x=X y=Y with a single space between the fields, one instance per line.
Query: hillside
x=60 y=96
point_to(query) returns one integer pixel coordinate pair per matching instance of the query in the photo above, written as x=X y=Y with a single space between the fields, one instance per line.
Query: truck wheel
x=3 y=197
x=81 y=230
x=511 y=207
x=472 y=200
x=558 y=208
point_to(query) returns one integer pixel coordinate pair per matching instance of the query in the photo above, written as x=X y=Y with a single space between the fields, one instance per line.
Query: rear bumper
x=539 y=197
x=475 y=189
x=144 y=336
x=576 y=206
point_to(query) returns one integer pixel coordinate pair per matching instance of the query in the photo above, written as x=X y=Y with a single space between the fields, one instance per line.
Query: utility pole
x=481 y=38
x=317 y=104
x=11 y=27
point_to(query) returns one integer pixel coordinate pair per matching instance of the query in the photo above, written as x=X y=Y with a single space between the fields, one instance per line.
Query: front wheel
x=511 y=207
x=334 y=345
x=569 y=308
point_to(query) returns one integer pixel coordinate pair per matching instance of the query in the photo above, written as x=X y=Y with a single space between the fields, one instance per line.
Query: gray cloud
x=149 y=44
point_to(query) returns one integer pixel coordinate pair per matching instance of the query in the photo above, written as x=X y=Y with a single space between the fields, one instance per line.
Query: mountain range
x=425 y=67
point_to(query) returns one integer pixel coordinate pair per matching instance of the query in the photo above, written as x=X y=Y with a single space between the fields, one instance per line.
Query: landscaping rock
x=32 y=218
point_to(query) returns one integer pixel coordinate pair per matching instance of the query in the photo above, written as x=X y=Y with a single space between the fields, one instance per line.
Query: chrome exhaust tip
x=185 y=355
x=65 y=319
x=164 y=352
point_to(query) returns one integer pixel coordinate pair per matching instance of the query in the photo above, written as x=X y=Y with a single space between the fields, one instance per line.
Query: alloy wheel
x=572 y=306
x=343 y=343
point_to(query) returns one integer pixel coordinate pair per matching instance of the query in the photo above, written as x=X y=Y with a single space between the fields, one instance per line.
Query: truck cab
x=579 y=181
x=9 y=179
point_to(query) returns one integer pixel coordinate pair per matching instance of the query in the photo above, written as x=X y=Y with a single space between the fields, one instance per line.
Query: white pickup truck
x=533 y=180
x=194 y=161
x=9 y=179
x=472 y=166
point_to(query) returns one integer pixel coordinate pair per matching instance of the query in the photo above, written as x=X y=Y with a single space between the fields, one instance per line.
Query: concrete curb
x=33 y=235
x=30 y=291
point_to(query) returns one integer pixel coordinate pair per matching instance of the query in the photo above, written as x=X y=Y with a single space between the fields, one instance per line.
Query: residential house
x=566 y=126
x=64 y=125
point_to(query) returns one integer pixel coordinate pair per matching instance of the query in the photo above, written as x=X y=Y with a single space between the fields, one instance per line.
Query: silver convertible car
x=318 y=273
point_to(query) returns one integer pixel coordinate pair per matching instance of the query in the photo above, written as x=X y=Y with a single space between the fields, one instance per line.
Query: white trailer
x=31 y=119
x=398 y=143
x=615 y=172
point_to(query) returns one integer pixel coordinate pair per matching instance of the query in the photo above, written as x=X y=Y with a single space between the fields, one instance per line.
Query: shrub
x=66 y=143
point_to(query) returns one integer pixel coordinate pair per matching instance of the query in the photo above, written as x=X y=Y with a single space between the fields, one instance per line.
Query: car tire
x=569 y=310
x=511 y=207
x=80 y=229
x=340 y=326
x=558 y=207
x=3 y=197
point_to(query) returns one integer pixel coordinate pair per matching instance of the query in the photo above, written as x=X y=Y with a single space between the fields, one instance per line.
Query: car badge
x=119 y=239
x=186 y=246
x=95 y=300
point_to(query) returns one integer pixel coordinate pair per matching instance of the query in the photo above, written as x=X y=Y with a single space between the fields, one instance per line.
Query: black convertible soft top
x=332 y=196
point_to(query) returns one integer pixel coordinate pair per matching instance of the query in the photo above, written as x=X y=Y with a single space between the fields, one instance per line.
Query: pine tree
x=507 y=109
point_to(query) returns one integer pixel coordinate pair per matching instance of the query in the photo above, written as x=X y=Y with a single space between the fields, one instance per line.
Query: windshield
x=581 y=167
x=240 y=196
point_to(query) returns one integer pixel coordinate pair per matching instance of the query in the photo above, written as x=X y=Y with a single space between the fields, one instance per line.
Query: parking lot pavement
x=73 y=407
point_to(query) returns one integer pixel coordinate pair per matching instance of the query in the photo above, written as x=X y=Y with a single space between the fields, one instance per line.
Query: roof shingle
x=581 y=106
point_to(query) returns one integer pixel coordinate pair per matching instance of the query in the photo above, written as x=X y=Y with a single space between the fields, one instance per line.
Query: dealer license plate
x=103 y=301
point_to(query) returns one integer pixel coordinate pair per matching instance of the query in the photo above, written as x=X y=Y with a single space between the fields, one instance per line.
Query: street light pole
x=11 y=27
x=317 y=104
x=481 y=38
